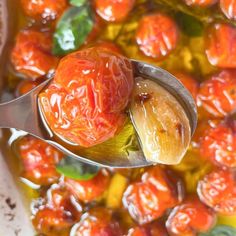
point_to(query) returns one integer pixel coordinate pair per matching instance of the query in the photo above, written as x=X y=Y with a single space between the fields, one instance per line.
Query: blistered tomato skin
x=31 y=55
x=157 y=35
x=39 y=160
x=89 y=190
x=44 y=10
x=218 y=191
x=85 y=103
x=201 y=3
x=149 y=199
x=113 y=10
x=228 y=7
x=220 y=45
x=217 y=95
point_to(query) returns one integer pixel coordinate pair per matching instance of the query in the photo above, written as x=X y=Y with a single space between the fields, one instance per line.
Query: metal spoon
x=23 y=114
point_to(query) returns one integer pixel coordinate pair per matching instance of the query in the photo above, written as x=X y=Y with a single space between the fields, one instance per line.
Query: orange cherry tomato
x=217 y=95
x=189 y=218
x=220 y=44
x=97 y=222
x=218 y=191
x=89 y=190
x=149 y=199
x=202 y=3
x=44 y=10
x=113 y=10
x=39 y=160
x=31 y=54
x=228 y=7
x=157 y=35
x=85 y=103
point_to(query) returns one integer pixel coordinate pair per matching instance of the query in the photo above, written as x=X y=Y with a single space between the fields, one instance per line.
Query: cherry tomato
x=202 y=3
x=31 y=54
x=97 y=222
x=218 y=191
x=39 y=160
x=188 y=81
x=228 y=7
x=85 y=103
x=157 y=35
x=189 y=218
x=89 y=190
x=46 y=9
x=149 y=199
x=113 y=10
x=51 y=221
x=220 y=44
x=217 y=95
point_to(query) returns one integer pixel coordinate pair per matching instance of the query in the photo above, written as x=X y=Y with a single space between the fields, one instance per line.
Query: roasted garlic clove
x=160 y=121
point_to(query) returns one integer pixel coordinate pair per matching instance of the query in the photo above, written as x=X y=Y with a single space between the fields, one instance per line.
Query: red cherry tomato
x=189 y=218
x=218 y=191
x=39 y=160
x=31 y=54
x=113 y=10
x=189 y=82
x=89 y=190
x=46 y=9
x=149 y=199
x=85 y=103
x=217 y=95
x=202 y=3
x=157 y=35
x=219 y=144
x=220 y=43
x=228 y=7
x=51 y=221
x=97 y=222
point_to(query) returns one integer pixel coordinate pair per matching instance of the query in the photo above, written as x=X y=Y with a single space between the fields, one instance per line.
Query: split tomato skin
x=31 y=56
x=86 y=101
x=218 y=191
x=157 y=35
x=217 y=95
x=148 y=199
x=220 y=45
x=190 y=218
x=113 y=10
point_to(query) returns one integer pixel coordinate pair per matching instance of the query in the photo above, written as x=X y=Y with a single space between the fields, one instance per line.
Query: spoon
x=24 y=114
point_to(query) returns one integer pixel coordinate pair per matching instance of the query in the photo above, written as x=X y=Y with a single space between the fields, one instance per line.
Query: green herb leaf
x=221 y=230
x=78 y=3
x=72 y=29
x=190 y=25
x=72 y=168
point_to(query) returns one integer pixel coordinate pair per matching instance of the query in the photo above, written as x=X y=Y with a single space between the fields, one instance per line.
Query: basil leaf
x=190 y=25
x=221 y=230
x=72 y=29
x=72 y=168
x=78 y=3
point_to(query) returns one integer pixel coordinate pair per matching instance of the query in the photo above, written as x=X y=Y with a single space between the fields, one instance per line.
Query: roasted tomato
x=44 y=10
x=52 y=221
x=189 y=218
x=31 y=54
x=188 y=81
x=219 y=144
x=202 y=3
x=228 y=7
x=157 y=35
x=97 y=222
x=85 y=103
x=217 y=95
x=218 y=191
x=39 y=160
x=220 y=43
x=149 y=199
x=89 y=190
x=113 y=10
